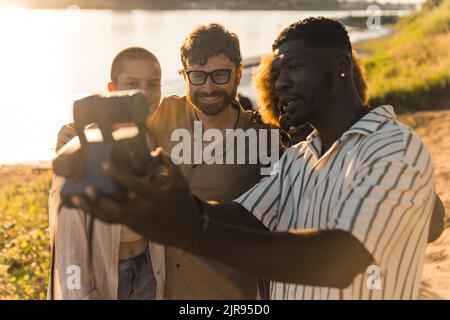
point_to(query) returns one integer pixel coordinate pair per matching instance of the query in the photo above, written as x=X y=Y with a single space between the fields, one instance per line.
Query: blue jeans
x=136 y=278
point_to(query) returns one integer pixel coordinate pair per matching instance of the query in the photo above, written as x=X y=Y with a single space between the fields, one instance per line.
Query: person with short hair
x=124 y=265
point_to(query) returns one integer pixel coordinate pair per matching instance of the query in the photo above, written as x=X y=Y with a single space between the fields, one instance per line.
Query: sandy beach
x=434 y=128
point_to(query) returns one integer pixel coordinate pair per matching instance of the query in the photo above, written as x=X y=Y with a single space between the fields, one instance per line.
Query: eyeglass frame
x=209 y=74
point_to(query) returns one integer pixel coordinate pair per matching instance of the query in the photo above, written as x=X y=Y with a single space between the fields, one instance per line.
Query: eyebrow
x=276 y=61
x=295 y=56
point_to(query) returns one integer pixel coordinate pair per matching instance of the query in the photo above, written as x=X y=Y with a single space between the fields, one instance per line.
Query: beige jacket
x=73 y=277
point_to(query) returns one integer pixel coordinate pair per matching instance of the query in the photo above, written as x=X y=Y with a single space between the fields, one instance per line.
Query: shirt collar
x=364 y=126
x=371 y=121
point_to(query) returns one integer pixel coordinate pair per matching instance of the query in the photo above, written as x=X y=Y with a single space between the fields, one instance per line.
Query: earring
x=342 y=75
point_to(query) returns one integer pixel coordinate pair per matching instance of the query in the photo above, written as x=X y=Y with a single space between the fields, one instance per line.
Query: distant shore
x=23 y=172
x=208 y=5
x=364 y=48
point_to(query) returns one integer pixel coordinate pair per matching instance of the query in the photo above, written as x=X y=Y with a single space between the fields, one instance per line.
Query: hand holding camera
x=126 y=147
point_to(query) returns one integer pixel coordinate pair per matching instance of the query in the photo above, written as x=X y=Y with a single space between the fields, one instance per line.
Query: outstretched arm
x=330 y=258
x=228 y=233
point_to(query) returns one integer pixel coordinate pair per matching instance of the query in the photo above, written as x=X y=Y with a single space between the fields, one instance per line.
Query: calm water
x=48 y=57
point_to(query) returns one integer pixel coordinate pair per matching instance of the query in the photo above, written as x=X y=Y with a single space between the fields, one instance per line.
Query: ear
x=183 y=73
x=111 y=87
x=344 y=66
x=239 y=72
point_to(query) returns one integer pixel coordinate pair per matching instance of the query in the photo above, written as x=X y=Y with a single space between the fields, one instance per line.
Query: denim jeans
x=136 y=278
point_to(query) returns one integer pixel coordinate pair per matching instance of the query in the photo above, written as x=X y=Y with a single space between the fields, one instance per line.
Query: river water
x=48 y=57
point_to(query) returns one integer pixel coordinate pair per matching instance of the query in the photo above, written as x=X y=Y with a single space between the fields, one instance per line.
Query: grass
x=24 y=238
x=411 y=69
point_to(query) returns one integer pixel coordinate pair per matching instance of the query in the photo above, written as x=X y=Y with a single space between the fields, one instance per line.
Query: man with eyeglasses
x=212 y=70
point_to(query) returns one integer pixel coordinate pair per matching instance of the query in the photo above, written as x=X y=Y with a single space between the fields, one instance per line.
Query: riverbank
x=366 y=48
x=22 y=173
x=411 y=68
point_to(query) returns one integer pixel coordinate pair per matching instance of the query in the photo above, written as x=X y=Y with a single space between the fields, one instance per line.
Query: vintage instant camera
x=121 y=119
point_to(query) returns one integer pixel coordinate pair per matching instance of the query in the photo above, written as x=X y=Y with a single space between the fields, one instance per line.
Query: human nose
x=146 y=89
x=282 y=82
x=209 y=85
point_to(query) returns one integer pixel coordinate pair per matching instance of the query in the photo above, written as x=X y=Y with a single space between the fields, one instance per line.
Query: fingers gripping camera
x=117 y=134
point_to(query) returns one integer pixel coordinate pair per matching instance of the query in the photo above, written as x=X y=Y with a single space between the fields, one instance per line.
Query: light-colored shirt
x=375 y=182
x=75 y=277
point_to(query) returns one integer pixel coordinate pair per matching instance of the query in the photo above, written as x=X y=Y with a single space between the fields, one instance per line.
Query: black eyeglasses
x=218 y=76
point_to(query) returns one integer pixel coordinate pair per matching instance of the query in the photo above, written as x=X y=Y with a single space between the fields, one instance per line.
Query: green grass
x=24 y=238
x=411 y=69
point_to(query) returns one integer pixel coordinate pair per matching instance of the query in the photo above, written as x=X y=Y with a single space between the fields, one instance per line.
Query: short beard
x=212 y=109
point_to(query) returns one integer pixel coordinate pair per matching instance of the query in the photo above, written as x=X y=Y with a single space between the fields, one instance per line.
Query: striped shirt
x=376 y=182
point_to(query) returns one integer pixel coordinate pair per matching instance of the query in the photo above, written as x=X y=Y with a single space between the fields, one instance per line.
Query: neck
x=222 y=121
x=338 y=116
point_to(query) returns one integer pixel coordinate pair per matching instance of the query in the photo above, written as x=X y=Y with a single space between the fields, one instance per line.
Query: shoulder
x=294 y=154
x=253 y=119
x=296 y=151
x=169 y=109
x=171 y=103
x=394 y=141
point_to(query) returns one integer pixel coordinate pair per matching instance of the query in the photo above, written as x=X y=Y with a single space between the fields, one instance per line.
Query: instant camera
x=110 y=127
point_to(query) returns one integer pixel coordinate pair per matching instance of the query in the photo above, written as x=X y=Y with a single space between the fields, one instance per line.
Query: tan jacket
x=74 y=277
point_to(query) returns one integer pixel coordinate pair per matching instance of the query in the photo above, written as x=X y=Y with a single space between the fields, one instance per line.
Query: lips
x=285 y=101
x=212 y=99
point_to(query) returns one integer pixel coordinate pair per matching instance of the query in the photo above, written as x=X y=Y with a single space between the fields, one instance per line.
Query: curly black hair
x=316 y=32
